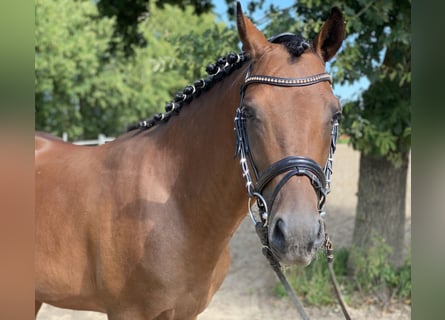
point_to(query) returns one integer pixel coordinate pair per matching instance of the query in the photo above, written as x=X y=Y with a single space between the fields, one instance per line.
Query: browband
x=287 y=82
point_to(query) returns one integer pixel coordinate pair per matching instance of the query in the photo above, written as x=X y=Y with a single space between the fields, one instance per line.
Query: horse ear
x=254 y=42
x=331 y=35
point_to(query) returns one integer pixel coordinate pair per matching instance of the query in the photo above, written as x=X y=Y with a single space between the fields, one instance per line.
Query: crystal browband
x=288 y=82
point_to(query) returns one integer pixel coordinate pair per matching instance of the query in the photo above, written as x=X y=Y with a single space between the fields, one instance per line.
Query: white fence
x=101 y=139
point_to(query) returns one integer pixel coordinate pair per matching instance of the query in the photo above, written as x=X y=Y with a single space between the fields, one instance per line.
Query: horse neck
x=208 y=185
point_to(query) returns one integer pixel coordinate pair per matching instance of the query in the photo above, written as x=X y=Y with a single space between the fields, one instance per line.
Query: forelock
x=295 y=44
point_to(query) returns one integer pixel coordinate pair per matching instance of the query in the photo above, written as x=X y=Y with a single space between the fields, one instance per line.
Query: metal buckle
x=264 y=209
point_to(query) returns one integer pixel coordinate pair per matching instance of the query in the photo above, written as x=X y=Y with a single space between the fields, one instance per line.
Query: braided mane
x=224 y=66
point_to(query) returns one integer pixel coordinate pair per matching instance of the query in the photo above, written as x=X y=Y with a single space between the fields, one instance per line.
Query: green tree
x=129 y=15
x=72 y=84
x=179 y=44
x=84 y=90
x=377 y=47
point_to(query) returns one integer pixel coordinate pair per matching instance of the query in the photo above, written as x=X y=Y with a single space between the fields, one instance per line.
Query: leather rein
x=289 y=166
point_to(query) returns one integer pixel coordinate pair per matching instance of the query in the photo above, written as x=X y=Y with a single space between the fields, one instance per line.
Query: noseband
x=290 y=166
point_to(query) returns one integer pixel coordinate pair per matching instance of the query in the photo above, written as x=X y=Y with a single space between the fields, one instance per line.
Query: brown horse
x=139 y=228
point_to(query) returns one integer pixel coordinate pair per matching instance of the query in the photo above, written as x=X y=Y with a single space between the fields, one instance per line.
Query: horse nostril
x=304 y=236
x=320 y=234
x=320 y=229
x=278 y=236
x=310 y=246
x=316 y=237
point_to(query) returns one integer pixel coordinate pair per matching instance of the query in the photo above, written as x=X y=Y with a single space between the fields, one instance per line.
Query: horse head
x=288 y=111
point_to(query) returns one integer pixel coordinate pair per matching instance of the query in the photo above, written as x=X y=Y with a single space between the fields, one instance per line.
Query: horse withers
x=139 y=228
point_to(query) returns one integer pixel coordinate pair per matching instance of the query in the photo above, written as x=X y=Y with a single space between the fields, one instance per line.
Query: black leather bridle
x=289 y=166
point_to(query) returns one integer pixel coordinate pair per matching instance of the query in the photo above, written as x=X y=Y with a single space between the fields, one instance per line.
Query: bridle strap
x=292 y=166
x=301 y=165
x=276 y=267
x=287 y=82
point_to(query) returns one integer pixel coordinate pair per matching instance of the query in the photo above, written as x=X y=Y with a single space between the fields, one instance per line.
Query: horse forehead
x=278 y=62
x=282 y=102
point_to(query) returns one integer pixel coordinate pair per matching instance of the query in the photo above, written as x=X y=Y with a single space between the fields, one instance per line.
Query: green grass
x=313 y=283
x=360 y=273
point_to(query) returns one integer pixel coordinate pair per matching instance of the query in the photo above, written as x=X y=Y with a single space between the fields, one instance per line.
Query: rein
x=290 y=166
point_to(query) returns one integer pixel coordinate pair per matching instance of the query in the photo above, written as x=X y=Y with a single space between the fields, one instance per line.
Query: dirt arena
x=247 y=292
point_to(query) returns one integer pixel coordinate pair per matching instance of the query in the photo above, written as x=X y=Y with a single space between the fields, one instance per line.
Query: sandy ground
x=247 y=292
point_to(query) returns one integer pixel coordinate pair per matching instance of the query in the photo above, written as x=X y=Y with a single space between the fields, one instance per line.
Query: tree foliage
x=84 y=90
x=130 y=14
x=380 y=122
x=378 y=47
x=72 y=84
x=79 y=80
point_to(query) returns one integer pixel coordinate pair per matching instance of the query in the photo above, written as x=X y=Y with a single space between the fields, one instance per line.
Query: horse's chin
x=292 y=258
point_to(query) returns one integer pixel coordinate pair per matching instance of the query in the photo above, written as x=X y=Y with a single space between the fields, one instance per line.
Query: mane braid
x=216 y=71
x=295 y=45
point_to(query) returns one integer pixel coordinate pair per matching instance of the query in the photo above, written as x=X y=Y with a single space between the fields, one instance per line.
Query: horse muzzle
x=294 y=241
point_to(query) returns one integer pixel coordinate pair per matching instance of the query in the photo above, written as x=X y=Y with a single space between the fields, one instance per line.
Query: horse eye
x=336 y=117
x=249 y=112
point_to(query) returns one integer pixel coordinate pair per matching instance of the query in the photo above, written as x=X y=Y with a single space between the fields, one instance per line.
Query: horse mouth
x=294 y=252
x=294 y=249
x=294 y=255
